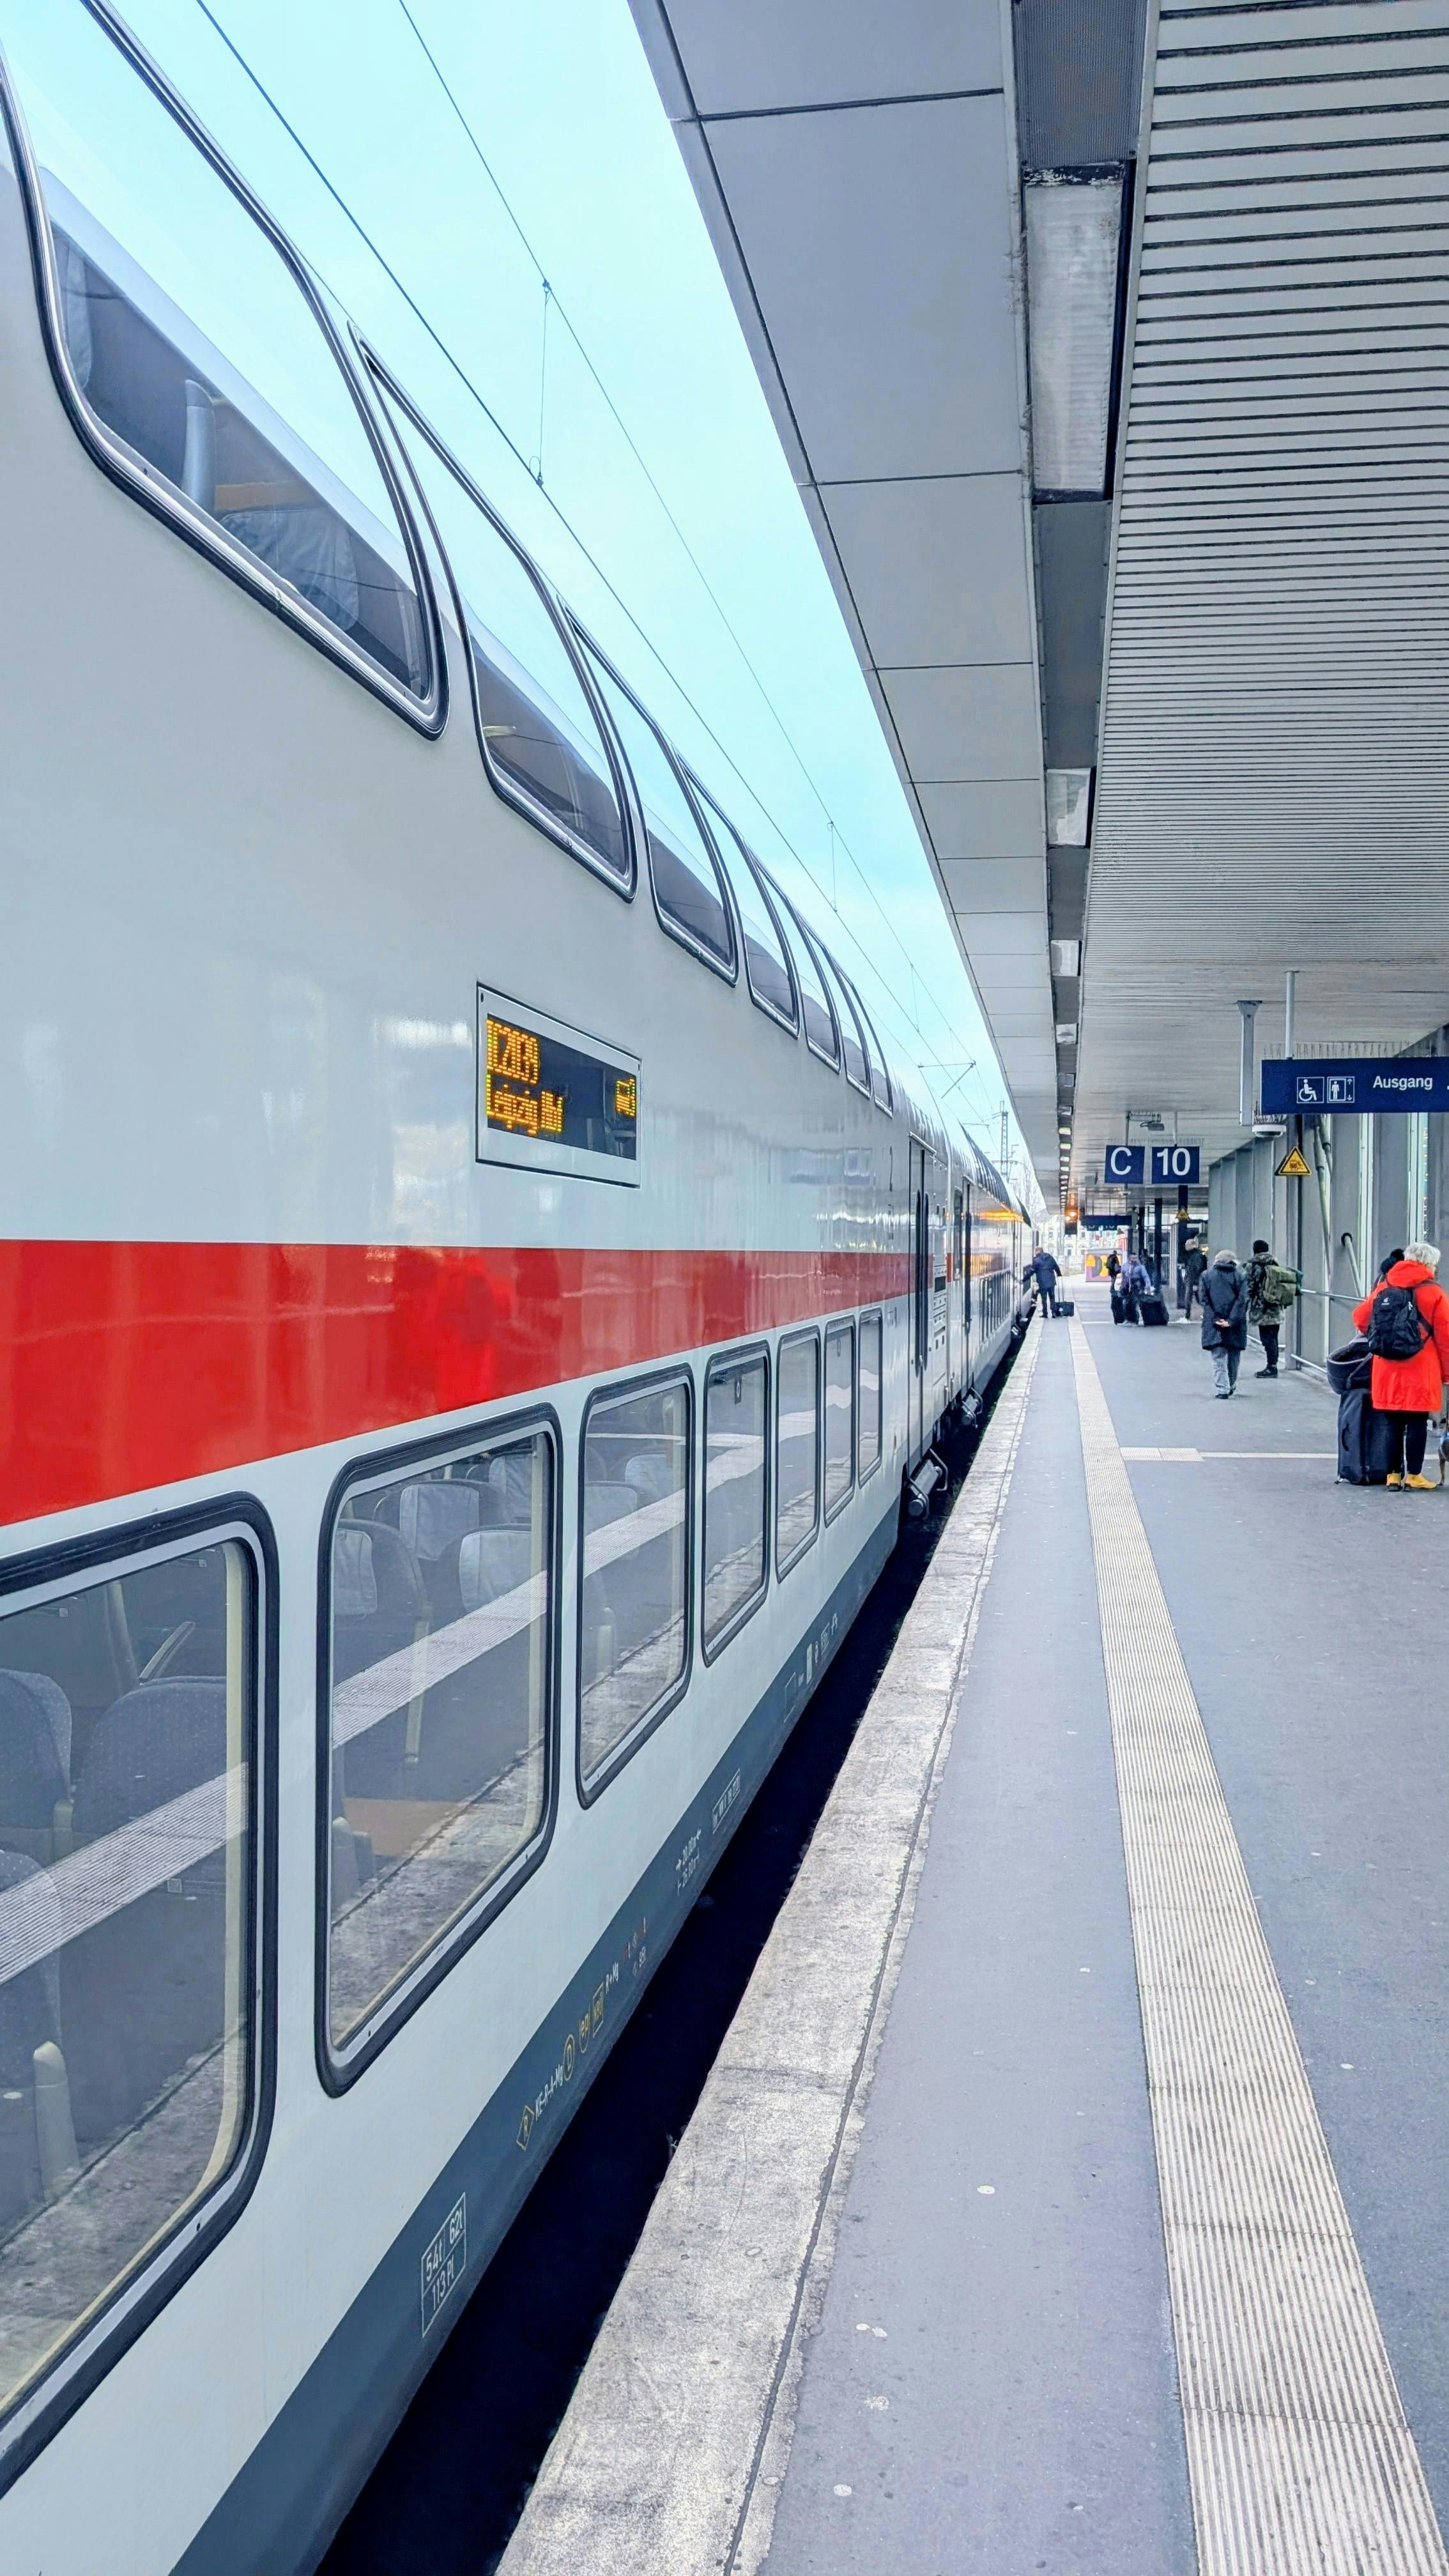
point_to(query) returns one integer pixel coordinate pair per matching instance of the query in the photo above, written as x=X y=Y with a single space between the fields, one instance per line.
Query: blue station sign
x=1141 y=1167
x=1353 y=1086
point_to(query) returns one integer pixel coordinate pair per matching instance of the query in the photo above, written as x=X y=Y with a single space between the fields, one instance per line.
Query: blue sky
x=564 y=108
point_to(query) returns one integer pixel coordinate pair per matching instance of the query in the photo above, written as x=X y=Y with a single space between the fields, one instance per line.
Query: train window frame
x=392 y=392
x=839 y=1328
x=145 y=483
x=614 y=1390
x=758 y=877
x=783 y=905
x=883 y=1095
x=793 y=1341
x=873 y=1316
x=339 y=2070
x=723 y=1365
x=728 y=971
x=108 y=2331
x=842 y=995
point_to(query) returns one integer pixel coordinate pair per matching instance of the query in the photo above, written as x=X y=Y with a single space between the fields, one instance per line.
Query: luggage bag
x=1119 y=1306
x=1066 y=1306
x=1365 y=1440
x=1153 y=1310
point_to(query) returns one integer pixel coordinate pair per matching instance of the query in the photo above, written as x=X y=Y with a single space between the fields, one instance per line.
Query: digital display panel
x=552 y=1098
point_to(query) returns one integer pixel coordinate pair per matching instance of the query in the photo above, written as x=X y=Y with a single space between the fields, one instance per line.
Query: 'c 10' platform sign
x=1140 y=1167
x=1354 y=1086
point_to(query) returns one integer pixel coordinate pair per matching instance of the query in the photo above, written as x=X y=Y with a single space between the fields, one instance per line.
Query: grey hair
x=1428 y=1253
x=1225 y=1255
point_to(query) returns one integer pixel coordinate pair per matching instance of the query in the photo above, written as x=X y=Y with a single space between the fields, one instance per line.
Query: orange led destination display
x=537 y=1088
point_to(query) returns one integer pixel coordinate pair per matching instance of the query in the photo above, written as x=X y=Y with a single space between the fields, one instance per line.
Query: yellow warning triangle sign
x=1292 y=1167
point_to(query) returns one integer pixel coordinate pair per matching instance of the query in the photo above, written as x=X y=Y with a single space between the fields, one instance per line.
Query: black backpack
x=1397 y=1330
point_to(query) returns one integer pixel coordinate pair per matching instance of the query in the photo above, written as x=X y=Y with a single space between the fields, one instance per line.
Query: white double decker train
x=473 y=1291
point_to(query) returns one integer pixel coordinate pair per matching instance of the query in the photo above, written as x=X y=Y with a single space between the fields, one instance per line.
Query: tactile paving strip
x=1300 y=2458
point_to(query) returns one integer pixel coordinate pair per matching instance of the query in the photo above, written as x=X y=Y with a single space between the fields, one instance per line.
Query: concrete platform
x=1117 y=2244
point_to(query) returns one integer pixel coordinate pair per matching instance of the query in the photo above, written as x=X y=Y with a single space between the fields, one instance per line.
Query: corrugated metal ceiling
x=1273 y=769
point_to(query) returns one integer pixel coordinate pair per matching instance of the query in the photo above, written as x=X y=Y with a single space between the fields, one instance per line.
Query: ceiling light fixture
x=1073 y=265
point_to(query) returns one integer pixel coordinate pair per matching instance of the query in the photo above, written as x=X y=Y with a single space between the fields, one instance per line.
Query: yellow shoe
x=1394 y=1483
x=1421 y=1484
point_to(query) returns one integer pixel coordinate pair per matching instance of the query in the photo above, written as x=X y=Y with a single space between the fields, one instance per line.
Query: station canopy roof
x=1117 y=393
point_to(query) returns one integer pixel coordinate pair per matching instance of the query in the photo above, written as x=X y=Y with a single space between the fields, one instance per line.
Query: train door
x=960 y=1347
x=920 y=1301
x=938 y=1209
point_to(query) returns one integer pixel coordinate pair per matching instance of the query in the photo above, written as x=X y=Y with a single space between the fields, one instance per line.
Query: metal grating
x=1273 y=768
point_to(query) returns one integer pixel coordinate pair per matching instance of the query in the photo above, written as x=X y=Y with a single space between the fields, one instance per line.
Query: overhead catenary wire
x=930 y=1061
x=691 y=557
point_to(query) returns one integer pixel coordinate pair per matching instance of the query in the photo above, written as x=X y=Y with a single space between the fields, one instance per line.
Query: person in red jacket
x=1408 y=1387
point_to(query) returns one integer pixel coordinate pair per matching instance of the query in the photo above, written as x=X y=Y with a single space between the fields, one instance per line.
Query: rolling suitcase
x=1364 y=1437
x=1119 y=1306
x=1066 y=1306
x=1153 y=1310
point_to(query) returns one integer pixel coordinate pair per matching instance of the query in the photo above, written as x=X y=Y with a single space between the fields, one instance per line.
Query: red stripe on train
x=134 y=1364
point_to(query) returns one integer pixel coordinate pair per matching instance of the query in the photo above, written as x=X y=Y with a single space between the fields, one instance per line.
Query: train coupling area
x=1070 y=2191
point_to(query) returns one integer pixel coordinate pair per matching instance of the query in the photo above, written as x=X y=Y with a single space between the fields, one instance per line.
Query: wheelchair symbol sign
x=1308 y=1091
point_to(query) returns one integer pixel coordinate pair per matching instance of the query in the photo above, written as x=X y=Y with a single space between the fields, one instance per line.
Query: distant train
x=473 y=1293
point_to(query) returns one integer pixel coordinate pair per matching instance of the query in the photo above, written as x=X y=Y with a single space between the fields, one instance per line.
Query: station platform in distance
x=1071 y=2193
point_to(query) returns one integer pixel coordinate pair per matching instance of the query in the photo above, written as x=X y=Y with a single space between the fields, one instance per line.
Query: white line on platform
x=672 y=2450
x=1195 y=1457
x=1300 y=2459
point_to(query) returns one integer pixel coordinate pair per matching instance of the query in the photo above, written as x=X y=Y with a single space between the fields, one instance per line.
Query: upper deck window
x=815 y=1004
x=767 y=963
x=687 y=886
x=541 y=739
x=852 y=1032
x=880 y=1080
x=196 y=356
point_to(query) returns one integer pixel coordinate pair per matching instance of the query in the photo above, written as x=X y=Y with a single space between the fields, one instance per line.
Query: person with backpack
x=1224 y=1320
x=1405 y=1320
x=1271 y=1291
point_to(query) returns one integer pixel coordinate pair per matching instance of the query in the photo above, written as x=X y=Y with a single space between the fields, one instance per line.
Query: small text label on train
x=445 y=2260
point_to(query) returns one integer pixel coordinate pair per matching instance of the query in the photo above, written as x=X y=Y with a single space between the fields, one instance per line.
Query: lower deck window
x=633 y=1633
x=797 y=1447
x=440 y=1618
x=127 y=1860
x=736 y=1409
x=839 y=1414
x=869 y=1434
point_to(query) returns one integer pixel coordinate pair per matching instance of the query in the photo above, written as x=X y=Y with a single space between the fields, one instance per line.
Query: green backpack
x=1279 y=1288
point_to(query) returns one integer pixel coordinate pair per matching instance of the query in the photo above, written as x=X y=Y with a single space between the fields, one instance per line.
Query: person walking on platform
x=1047 y=1270
x=1406 y=1322
x=1193 y=1265
x=1224 y=1320
x=1136 y=1284
x=1271 y=1291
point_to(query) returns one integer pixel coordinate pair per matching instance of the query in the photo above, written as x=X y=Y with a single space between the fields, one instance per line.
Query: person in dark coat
x=1194 y=1263
x=1048 y=1271
x=1409 y=1390
x=1224 y=1320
